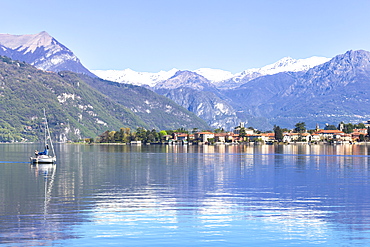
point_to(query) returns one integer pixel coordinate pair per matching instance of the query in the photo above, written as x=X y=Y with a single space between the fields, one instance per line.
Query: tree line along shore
x=342 y=133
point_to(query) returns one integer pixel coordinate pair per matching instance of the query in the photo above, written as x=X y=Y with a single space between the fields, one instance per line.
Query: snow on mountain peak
x=214 y=74
x=217 y=76
x=137 y=78
x=290 y=64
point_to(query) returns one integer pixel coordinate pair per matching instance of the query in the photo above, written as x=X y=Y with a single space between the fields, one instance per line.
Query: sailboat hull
x=45 y=159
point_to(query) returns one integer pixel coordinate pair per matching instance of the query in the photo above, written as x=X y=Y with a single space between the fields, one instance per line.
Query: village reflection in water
x=193 y=194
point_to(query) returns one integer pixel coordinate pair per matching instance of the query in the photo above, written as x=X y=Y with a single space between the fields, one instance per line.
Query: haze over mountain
x=42 y=51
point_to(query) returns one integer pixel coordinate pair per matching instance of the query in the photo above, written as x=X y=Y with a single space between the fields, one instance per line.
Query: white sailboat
x=45 y=157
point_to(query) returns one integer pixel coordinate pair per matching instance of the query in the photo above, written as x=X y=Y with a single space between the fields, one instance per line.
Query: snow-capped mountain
x=220 y=78
x=335 y=91
x=214 y=75
x=136 y=78
x=185 y=79
x=289 y=64
x=286 y=64
x=42 y=51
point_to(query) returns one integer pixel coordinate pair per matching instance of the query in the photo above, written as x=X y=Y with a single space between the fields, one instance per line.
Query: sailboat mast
x=47 y=131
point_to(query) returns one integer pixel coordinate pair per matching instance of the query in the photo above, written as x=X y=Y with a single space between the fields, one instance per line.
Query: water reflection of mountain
x=302 y=189
x=268 y=182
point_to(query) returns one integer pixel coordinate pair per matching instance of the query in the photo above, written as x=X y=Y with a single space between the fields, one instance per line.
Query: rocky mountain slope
x=76 y=106
x=200 y=96
x=335 y=91
x=209 y=93
x=155 y=110
x=42 y=51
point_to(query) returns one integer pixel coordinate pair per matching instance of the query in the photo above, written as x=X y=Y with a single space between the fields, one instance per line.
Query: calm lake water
x=186 y=196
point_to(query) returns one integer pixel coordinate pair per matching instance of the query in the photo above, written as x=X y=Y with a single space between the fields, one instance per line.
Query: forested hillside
x=74 y=108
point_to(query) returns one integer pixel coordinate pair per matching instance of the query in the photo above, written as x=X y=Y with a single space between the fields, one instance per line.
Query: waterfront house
x=180 y=136
x=204 y=136
x=314 y=137
x=331 y=134
x=297 y=137
x=290 y=137
x=231 y=137
x=221 y=137
x=355 y=136
x=258 y=137
x=363 y=131
x=270 y=137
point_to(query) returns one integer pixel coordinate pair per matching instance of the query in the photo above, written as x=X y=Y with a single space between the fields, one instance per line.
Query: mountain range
x=314 y=90
x=220 y=78
x=205 y=91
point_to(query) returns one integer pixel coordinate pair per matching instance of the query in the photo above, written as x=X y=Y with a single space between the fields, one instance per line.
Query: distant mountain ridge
x=220 y=78
x=42 y=51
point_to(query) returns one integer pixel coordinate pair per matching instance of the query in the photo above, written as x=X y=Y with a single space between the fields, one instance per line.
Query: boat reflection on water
x=47 y=170
x=48 y=230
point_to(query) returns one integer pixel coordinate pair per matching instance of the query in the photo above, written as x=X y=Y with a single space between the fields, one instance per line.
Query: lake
x=266 y=195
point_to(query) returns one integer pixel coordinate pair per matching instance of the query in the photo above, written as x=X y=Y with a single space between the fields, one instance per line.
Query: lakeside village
x=331 y=134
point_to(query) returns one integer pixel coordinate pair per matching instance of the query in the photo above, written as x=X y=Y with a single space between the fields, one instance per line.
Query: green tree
x=155 y=135
x=219 y=130
x=300 y=127
x=181 y=130
x=362 y=137
x=242 y=133
x=170 y=132
x=347 y=128
x=104 y=137
x=151 y=136
x=141 y=134
x=117 y=136
x=125 y=135
x=360 y=126
x=330 y=127
x=111 y=136
x=278 y=133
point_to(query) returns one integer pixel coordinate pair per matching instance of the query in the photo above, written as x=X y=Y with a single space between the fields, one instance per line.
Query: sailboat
x=45 y=157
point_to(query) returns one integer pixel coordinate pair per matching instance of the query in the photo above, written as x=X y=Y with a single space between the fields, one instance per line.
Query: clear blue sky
x=153 y=35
